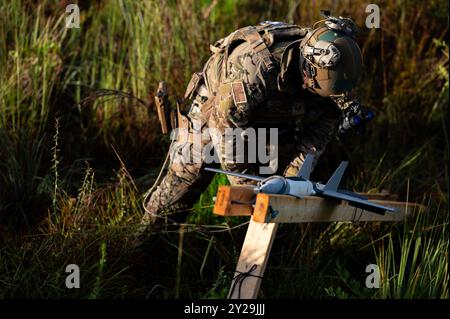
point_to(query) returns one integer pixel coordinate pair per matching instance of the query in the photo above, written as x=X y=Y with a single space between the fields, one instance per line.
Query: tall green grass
x=414 y=263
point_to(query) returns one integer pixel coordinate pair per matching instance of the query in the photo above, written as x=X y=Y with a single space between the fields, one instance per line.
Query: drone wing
x=251 y=177
x=354 y=201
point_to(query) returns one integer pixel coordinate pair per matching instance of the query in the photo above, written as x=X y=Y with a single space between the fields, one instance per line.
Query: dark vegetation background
x=72 y=174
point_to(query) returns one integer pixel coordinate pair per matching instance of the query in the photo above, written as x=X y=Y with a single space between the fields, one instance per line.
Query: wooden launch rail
x=269 y=210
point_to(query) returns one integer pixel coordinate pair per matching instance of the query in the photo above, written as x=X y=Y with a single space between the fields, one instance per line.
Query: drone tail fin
x=335 y=179
x=305 y=170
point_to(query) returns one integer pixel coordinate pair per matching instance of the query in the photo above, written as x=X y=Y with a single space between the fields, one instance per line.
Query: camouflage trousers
x=185 y=179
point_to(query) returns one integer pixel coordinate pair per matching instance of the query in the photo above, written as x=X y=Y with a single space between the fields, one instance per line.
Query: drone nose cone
x=272 y=186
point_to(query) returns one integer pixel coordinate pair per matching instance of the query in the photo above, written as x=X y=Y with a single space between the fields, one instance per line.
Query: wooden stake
x=254 y=256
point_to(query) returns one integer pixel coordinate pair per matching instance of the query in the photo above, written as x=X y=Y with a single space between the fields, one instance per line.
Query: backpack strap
x=259 y=46
x=251 y=35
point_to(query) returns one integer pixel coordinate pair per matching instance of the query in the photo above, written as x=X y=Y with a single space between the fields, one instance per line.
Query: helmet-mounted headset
x=330 y=58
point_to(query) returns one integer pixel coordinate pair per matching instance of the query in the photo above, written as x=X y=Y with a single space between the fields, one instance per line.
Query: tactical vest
x=260 y=38
x=277 y=46
x=268 y=42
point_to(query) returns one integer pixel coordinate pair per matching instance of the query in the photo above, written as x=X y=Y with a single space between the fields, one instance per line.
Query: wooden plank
x=254 y=256
x=288 y=209
x=234 y=201
x=222 y=202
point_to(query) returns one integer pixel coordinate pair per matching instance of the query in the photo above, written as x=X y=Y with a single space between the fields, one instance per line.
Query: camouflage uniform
x=268 y=71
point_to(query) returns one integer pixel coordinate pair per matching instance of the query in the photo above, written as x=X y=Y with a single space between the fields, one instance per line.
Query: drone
x=300 y=186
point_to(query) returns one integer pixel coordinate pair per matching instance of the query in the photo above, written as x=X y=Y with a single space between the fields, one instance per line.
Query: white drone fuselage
x=282 y=185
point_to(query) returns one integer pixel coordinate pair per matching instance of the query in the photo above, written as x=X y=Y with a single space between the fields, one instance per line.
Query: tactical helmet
x=330 y=59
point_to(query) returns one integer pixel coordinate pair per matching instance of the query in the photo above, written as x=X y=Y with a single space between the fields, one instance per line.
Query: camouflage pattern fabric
x=273 y=98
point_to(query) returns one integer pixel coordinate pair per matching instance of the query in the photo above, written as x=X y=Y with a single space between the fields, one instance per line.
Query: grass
x=80 y=144
x=423 y=263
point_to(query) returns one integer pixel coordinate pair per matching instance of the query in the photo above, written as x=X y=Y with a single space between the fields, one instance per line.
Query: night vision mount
x=354 y=115
x=345 y=25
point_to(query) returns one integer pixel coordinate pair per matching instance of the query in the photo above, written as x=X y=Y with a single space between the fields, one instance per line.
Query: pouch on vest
x=163 y=108
x=194 y=83
x=233 y=104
